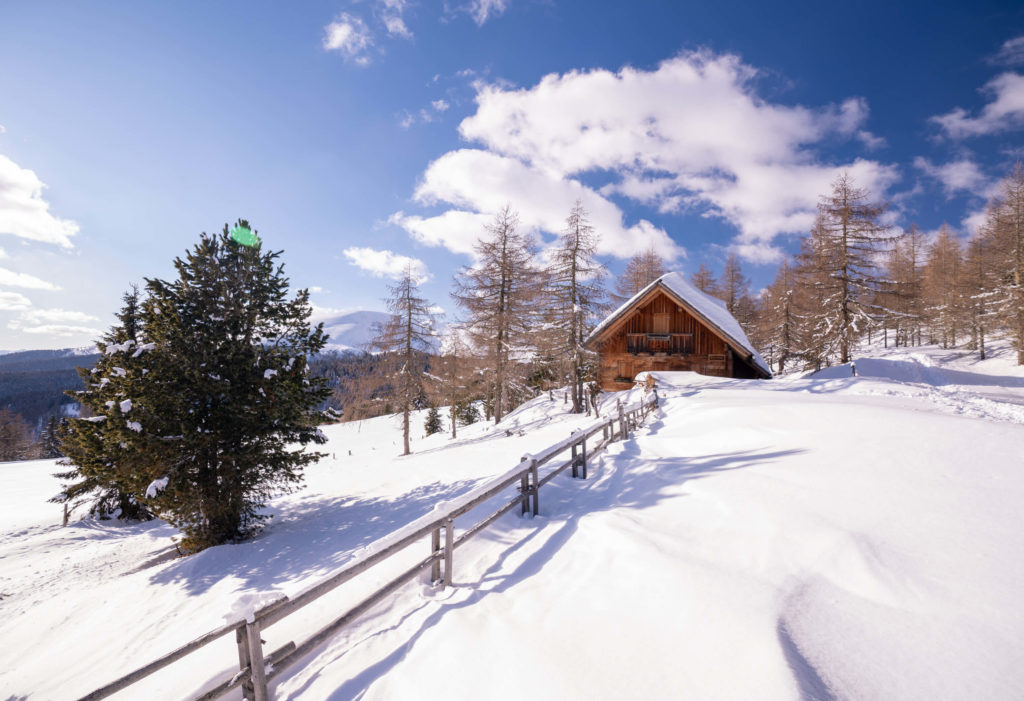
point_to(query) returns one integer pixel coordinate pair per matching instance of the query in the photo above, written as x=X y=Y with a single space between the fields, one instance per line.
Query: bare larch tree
x=498 y=294
x=405 y=340
x=574 y=288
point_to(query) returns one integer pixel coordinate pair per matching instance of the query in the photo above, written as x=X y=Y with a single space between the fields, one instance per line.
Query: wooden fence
x=256 y=670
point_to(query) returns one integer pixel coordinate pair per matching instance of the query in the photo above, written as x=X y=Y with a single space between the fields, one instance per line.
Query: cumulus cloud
x=10 y=278
x=1003 y=112
x=1011 y=53
x=24 y=212
x=456 y=230
x=13 y=301
x=956 y=176
x=386 y=263
x=483 y=182
x=53 y=322
x=440 y=105
x=690 y=136
x=349 y=36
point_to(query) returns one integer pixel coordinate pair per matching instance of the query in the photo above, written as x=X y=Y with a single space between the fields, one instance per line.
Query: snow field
x=809 y=537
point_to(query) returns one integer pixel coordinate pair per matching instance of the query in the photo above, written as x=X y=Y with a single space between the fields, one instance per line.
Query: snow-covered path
x=816 y=537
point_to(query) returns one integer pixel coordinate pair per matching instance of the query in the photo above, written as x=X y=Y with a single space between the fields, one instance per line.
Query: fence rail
x=256 y=670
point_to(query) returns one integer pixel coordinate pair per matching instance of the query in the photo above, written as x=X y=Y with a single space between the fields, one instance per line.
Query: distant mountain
x=352 y=331
x=32 y=383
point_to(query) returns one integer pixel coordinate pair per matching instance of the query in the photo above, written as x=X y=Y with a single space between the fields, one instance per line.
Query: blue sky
x=356 y=135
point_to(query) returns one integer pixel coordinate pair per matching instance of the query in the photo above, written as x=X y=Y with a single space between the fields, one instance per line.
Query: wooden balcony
x=659 y=343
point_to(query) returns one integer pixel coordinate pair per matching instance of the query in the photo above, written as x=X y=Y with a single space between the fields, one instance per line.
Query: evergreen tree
x=467 y=412
x=499 y=295
x=433 y=423
x=575 y=295
x=106 y=456
x=405 y=340
x=217 y=393
x=49 y=439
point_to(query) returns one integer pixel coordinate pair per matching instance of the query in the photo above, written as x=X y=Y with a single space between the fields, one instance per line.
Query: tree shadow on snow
x=629 y=483
x=307 y=538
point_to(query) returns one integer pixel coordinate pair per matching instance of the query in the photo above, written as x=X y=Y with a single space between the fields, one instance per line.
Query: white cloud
x=456 y=230
x=315 y=289
x=483 y=182
x=396 y=26
x=13 y=301
x=973 y=222
x=483 y=10
x=3 y=254
x=1003 y=112
x=691 y=136
x=349 y=36
x=440 y=105
x=58 y=330
x=386 y=263
x=955 y=176
x=24 y=280
x=3 y=129
x=53 y=322
x=391 y=14
x=1011 y=53
x=24 y=212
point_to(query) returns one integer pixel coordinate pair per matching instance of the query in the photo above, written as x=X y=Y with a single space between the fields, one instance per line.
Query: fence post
x=435 y=547
x=583 y=457
x=575 y=472
x=243 y=661
x=259 y=672
x=524 y=490
x=622 y=423
x=536 y=486
x=449 y=549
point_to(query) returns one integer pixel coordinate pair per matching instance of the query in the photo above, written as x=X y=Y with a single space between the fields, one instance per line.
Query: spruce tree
x=467 y=412
x=433 y=423
x=49 y=439
x=106 y=456
x=218 y=394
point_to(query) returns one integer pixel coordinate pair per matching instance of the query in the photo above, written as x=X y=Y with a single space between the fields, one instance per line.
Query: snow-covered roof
x=710 y=310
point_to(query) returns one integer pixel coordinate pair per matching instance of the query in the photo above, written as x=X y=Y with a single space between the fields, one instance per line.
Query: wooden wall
x=711 y=355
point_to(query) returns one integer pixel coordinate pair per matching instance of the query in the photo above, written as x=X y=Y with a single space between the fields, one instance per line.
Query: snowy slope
x=352 y=330
x=820 y=537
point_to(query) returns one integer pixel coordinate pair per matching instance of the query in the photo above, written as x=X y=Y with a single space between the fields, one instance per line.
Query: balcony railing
x=659 y=343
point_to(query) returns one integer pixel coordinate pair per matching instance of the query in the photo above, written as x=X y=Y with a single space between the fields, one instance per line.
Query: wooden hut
x=671 y=325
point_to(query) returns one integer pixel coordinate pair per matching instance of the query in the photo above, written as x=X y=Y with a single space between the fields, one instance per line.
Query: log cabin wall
x=691 y=345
